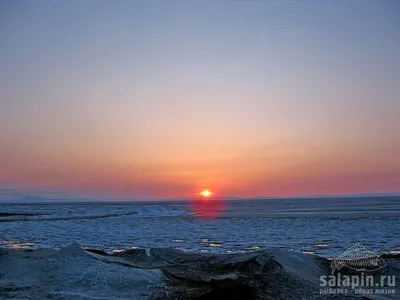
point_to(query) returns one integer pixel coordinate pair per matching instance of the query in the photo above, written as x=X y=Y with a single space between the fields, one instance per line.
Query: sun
x=206 y=193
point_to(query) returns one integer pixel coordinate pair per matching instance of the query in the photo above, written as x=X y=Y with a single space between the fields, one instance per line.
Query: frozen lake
x=323 y=226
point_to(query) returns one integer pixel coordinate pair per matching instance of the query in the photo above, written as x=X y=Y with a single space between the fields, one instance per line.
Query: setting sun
x=206 y=193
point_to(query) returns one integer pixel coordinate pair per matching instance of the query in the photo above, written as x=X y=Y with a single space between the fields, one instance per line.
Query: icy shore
x=75 y=273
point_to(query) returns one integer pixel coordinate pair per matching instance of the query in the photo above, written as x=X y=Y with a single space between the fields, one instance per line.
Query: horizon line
x=39 y=199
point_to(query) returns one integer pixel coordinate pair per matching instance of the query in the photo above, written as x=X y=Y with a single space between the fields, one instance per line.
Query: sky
x=161 y=99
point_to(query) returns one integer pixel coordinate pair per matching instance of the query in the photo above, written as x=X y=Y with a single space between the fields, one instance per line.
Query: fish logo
x=358 y=258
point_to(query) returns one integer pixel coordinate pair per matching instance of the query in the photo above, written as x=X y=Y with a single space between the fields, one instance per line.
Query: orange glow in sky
x=248 y=99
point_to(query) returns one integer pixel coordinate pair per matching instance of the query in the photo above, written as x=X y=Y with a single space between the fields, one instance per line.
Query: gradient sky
x=161 y=99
